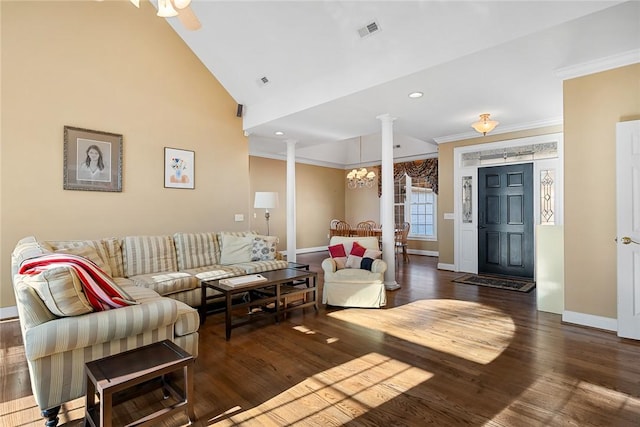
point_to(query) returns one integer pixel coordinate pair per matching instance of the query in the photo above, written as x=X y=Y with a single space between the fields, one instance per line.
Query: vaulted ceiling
x=327 y=84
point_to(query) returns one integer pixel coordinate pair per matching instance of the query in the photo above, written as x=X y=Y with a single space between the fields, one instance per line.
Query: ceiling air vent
x=369 y=29
x=262 y=81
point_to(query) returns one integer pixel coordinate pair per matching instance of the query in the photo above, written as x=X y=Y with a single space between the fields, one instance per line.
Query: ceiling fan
x=179 y=8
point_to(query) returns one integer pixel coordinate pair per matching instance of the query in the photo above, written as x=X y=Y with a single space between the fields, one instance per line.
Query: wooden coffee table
x=125 y=370
x=278 y=285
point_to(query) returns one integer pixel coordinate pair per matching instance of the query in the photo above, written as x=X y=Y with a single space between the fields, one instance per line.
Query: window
x=415 y=203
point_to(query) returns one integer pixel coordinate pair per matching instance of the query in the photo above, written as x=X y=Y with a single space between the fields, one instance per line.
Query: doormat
x=512 y=284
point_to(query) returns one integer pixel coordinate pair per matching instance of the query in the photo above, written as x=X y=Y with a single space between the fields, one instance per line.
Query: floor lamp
x=266 y=200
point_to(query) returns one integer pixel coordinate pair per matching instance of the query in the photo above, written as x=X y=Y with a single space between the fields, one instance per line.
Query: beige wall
x=320 y=197
x=111 y=67
x=593 y=105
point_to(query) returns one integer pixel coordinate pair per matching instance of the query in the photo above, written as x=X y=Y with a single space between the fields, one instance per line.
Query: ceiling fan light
x=165 y=9
x=484 y=125
x=181 y=4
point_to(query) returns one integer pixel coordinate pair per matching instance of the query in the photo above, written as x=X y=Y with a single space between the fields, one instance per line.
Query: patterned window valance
x=427 y=169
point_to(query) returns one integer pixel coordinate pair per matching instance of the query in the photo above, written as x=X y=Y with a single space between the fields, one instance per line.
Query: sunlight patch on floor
x=564 y=397
x=303 y=329
x=330 y=395
x=448 y=326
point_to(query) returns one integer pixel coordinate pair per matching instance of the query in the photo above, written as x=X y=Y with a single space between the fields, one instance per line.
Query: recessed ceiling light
x=279 y=133
x=416 y=95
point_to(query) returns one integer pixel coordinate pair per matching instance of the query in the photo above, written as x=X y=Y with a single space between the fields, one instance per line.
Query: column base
x=393 y=286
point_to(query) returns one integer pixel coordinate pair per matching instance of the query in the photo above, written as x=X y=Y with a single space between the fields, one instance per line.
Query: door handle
x=627 y=240
x=481 y=227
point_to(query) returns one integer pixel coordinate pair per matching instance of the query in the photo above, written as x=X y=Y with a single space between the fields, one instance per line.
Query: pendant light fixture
x=359 y=178
x=484 y=125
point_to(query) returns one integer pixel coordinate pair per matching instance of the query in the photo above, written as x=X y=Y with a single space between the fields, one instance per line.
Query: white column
x=291 y=200
x=386 y=203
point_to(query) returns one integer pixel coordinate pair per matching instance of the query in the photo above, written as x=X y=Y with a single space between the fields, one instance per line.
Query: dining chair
x=364 y=229
x=343 y=229
x=333 y=227
x=401 y=243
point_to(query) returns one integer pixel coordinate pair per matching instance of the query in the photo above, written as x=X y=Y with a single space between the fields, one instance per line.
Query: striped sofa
x=161 y=273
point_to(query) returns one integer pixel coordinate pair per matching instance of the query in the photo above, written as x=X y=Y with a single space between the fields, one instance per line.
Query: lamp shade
x=266 y=200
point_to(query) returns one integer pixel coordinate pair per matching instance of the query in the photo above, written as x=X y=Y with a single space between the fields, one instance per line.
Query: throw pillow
x=61 y=290
x=236 y=249
x=366 y=263
x=339 y=255
x=264 y=248
x=358 y=253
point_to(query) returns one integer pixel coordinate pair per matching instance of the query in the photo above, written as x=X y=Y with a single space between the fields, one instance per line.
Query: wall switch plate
x=239 y=217
x=448 y=216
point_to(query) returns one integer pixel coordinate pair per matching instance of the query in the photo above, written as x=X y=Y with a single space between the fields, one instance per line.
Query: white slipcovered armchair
x=354 y=287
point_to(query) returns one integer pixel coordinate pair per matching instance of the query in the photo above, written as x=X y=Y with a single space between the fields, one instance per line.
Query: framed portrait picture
x=92 y=160
x=179 y=168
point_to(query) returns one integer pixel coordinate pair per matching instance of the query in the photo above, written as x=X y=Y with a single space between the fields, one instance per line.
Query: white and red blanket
x=101 y=291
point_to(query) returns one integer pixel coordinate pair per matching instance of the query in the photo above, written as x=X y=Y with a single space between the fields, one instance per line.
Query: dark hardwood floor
x=440 y=353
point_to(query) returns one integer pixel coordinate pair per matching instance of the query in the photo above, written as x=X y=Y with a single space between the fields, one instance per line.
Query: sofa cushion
x=188 y=320
x=89 y=253
x=166 y=283
x=260 y=266
x=235 y=249
x=77 y=247
x=353 y=275
x=149 y=254
x=195 y=250
x=113 y=247
x=61 y=290
x=28 y=248
x=264 y=248
x=214 y=272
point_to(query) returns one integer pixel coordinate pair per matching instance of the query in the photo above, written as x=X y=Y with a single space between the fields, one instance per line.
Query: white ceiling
x=327 y=85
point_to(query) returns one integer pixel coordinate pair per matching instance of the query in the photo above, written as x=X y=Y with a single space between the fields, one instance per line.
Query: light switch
x=448 y=215
x=239 y=217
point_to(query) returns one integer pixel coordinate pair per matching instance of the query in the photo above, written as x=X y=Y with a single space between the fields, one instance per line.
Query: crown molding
x=597 y=65
x=501 y=129
x=283 y=157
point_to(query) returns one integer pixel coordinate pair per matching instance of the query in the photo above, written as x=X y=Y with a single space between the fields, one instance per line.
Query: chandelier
x=484 y=125
x=359 y=178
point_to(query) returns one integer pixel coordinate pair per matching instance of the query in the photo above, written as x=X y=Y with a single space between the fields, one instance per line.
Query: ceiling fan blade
x=189 y=19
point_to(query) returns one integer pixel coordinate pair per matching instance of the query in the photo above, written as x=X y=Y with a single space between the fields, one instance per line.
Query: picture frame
x=179 y=168
x=92 y=160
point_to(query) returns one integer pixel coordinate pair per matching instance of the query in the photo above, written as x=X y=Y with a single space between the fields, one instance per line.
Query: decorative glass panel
x=547 y=196
x=546 y=150
x=467 y=211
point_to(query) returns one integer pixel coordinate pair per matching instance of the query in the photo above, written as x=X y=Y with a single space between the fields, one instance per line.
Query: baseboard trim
x=8 y=312
x=310 y=250
x=448 y=267
x=422 y=252
x=582 y=319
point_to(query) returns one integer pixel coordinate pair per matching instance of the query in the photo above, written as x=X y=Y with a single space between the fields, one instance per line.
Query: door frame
x=465 y=235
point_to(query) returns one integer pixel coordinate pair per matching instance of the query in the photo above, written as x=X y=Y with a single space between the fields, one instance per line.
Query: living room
x=63 y=65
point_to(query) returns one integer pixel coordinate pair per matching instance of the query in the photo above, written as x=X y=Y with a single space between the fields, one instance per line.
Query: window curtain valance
x=427 y=169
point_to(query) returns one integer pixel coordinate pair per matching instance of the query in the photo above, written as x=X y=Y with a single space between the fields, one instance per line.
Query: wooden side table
x=122 y=371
